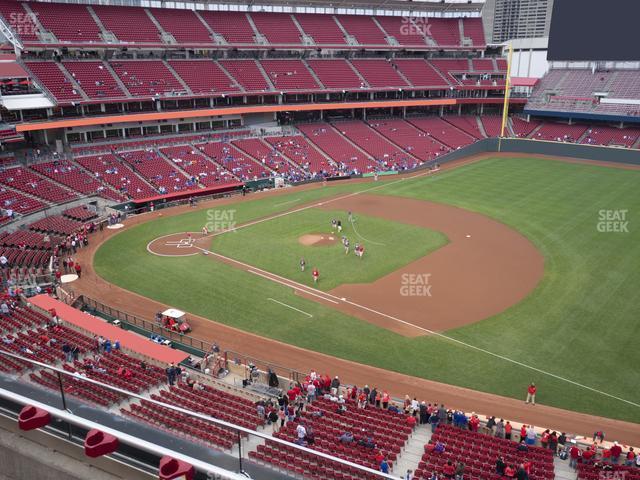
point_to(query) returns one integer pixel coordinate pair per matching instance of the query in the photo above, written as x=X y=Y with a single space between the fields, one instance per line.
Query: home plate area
x=179 y=244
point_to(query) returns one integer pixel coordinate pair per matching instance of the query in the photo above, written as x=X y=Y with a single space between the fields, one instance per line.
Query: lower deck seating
x=200 y=169
x=117 y=174
x=479 y=453
x=297 y=149
x=338 y=148
x=56 y=224
x=411 y=139
x=388 y=155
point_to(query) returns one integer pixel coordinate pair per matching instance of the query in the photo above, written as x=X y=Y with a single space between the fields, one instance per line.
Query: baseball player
x=333 y=225
x=205 y=231
x=303 y=264
x=189 y=239
x=346 y=246
x=356 y=249
x=350 y=216
x=316 y=275
x=361 y=254
x=339 y=224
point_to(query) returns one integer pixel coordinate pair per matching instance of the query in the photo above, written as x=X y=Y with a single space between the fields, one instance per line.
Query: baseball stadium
x=314 y=240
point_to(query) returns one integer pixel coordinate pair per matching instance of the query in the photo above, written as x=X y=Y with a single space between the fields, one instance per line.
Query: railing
x=146 y=325
x=194 y=345
x=67 y=414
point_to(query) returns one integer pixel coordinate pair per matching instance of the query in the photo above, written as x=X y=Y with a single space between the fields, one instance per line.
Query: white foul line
x=292 y=308
x=293 y=286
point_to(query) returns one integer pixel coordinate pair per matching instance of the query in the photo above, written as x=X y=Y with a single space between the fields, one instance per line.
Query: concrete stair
x=166 y=36
x=481 y=127
x=120 y=83
x=313 y=74
x=350 y=39
x=174 y=165
x=260 y=38
x=231 y=77
x=264 y=74
x=178 y=77
x=357 y=72
x=73 y=81
x=534 y=131
x=106 y=35
x=218 y=39
x=205 y=155
x=337 y=130
x=135 y=172
x=413 y=450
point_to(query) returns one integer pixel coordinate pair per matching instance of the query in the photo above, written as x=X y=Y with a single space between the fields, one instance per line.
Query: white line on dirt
x=291 y=307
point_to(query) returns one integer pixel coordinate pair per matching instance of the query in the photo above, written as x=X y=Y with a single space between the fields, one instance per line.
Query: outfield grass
x=581 y=323
x=280 y=237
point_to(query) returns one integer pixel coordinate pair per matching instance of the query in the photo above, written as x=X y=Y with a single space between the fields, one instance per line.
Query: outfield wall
x=542 y=147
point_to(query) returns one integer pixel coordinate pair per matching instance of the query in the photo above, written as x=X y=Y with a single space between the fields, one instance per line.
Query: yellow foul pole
x=507 y=93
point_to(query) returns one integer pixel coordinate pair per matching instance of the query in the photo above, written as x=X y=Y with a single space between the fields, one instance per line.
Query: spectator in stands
x=335 y=385
x=522 y=474
x=598 y=436
x=631 y=458
x=301 y=432
x=562 y=440
x=507 y=430
x=4 y=308
x=491 y=423
x=553 y=442
x=588 y=454
x=434 y=420
x=367 y=442
x=385 y=399
x=346 y=437
x=574 y=456
x=510 y=472
x=544 y=438
x=384 y=466
x=500 y=429
x=531 y=435
x=500 y=466
x=409 y=475
x=66 y=349
x=171 y=374
x=439 y=448
x=460 y=471
x=449 y=471
x=616 y=451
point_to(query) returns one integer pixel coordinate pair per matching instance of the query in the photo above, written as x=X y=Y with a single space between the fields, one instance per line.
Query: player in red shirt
x=316 y=275
x=531 y=394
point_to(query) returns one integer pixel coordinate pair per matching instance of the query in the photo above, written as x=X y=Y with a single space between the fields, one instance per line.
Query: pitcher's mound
x=317 y=239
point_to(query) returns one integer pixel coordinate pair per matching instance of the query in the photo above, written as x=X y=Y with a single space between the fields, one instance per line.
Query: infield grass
x=581 y=323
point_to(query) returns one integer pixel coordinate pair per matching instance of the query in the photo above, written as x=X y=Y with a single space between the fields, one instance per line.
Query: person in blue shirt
x=384 y=466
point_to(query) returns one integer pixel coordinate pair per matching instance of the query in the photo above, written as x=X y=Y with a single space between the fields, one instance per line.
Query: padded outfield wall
x=542 y=147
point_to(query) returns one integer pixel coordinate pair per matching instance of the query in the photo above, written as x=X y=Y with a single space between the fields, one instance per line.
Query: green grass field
x=280 y=236
x=581 y=323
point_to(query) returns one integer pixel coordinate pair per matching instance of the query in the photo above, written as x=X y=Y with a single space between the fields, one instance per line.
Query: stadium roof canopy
x=441 y=6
